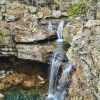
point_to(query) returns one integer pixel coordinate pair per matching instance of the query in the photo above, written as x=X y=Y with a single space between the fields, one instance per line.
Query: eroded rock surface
x=85 y=53
x=20 y=33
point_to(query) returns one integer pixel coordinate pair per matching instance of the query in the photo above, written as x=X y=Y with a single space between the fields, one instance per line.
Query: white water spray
x=59 y=32
x=50 y=27
x=57 y=85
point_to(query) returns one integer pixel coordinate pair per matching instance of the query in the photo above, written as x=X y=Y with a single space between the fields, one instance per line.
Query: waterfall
x=58 y=84
x=59 y=32
x=50 y=27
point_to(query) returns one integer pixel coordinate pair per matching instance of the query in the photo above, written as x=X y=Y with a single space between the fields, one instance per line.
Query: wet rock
x=1 y=96
x=2 y=74
x=10 y=80
x=26 y=81
x=42 y=81
x=40 y=78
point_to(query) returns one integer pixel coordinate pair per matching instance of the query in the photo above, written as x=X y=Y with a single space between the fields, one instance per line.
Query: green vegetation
x=18 y=94
x=75 y=10
x=4 y=32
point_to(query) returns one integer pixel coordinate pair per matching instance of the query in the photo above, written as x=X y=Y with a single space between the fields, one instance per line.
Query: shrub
x=75 y=10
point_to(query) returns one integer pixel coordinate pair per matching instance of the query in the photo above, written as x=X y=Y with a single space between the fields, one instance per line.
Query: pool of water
x=19 y=94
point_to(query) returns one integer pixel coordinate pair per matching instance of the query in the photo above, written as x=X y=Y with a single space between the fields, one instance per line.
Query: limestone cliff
x=85 y=54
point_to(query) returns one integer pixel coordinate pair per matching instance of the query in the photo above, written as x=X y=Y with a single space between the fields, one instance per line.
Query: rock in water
x=1 y=96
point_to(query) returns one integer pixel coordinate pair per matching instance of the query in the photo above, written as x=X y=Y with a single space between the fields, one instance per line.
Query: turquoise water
x=18 y=94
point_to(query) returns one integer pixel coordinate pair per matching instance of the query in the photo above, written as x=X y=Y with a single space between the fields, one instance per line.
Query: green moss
x=69 y=39
x=4 y=32
x=1 y=39
x=32 y=92
x=75 y=10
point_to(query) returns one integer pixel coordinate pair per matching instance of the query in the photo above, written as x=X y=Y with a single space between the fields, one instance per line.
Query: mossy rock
x=4 y=32
x=76 y=10
x=67 y=37
x=1 y=40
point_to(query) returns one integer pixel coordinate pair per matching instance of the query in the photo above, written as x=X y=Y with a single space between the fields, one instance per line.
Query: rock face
x=20 y=33
x=85 y=54
x=72 y=27
x=34 y=52
x=28 y=51
x=25 y=81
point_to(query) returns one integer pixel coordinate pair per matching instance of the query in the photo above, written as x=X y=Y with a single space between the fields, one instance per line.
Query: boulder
x=72 y=27
x=56 y=13
x=64 y=14
x=27 y=46
x=13 y=11
x=34 y=52
x=3 y=2
x=32 y=9
x=46 y=12
x=28 y=51
x=1 y=96
x=40 y=35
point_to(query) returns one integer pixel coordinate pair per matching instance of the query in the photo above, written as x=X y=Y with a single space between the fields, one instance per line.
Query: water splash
x=59 y=83
x=58 y=57
x=59 y=32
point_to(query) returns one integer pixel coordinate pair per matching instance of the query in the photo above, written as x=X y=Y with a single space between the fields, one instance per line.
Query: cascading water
x=50 y=27
x=59 y=32
x=57 y=83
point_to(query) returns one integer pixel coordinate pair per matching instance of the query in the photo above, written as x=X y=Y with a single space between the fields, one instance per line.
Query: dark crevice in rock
x=48 y=39
x=26 y=74
x=29 y=67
